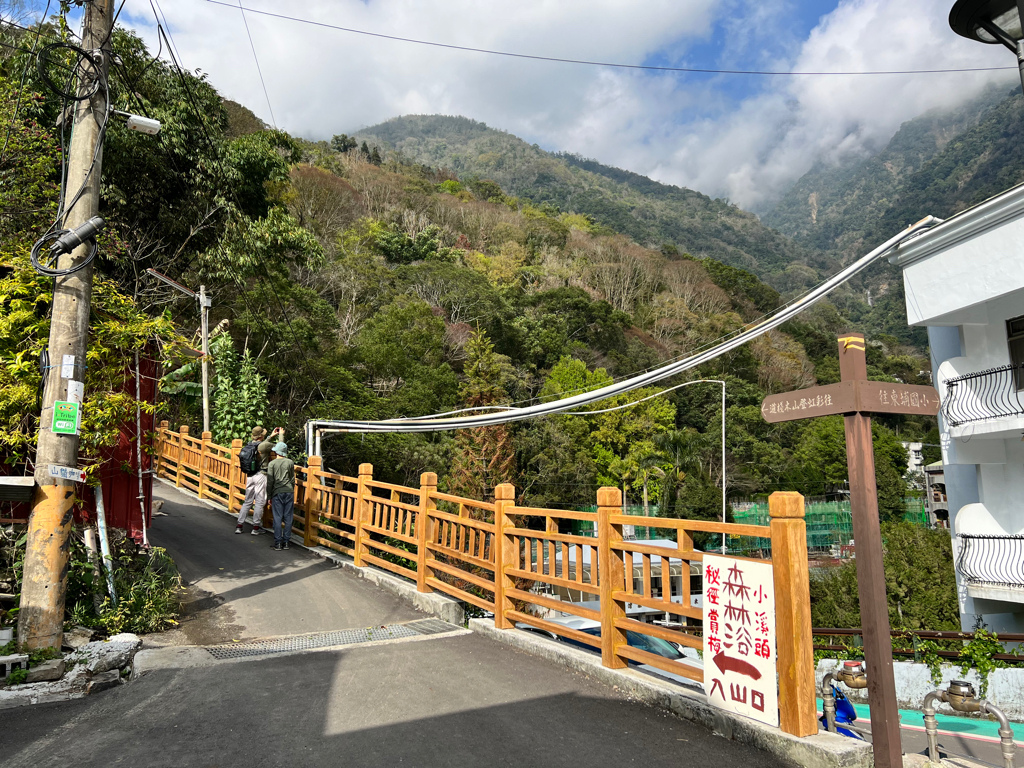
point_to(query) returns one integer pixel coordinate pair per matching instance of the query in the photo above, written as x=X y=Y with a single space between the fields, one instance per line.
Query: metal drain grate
x=330 y=639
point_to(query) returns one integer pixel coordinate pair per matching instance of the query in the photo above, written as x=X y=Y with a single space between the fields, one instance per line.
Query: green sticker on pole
x=66 y=417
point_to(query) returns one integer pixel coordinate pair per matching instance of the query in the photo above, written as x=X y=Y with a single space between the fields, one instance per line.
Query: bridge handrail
x=491 y=555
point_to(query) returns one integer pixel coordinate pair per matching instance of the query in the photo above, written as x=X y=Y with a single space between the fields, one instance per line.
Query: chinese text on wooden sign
x=739 y=637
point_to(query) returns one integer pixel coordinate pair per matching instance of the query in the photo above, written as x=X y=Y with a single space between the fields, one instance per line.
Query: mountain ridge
x=652 y=213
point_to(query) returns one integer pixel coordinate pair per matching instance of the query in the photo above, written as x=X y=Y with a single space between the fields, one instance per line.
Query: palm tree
x=685 y=451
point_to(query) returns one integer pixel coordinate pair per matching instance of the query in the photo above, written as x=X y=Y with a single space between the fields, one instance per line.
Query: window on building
x=1015 y=340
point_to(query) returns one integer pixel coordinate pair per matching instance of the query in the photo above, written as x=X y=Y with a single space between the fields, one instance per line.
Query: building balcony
x=989 y=554
x=992 y=566
x=988 y=402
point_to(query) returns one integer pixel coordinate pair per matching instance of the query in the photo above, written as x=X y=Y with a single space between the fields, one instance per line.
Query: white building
x=964 y=281
x=915 y=463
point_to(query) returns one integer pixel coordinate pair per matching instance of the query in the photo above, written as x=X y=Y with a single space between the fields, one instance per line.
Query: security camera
x=143 y=125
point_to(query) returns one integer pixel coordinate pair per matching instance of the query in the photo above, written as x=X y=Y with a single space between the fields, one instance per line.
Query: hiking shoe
x=285 y=545
x=276 y=547
x=256 y=530
x=238 y=529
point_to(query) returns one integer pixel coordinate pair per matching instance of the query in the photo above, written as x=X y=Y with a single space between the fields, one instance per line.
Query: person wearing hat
x=256 y=480
x=281 y=486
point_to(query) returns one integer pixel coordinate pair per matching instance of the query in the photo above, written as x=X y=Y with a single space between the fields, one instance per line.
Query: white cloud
x=691 y=131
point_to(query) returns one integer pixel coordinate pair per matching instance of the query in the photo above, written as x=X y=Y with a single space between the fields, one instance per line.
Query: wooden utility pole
x=856 y=398
x=41 y=617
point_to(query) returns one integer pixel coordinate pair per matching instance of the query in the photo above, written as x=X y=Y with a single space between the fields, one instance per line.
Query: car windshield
x=653 y=645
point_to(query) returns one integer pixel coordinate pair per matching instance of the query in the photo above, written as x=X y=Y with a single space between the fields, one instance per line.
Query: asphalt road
x=443 y=700
x=449 y=701
x=240 y=588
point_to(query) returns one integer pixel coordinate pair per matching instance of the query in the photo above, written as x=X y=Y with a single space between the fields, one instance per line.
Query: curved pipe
x=1006 y=742
x=644 y=379
x=828 y=702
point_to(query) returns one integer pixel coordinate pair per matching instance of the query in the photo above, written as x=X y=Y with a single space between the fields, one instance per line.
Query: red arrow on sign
x=739 y=666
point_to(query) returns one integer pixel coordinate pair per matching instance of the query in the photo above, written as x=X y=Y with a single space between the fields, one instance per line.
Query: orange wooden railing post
x=362 y=509
x=312 y=500
x=795 y=653
x=504 y=554
x=203 y=448
x=182 y=434
x=161 y=449
x=234 y=472
x=425 y=531
x=610 y=576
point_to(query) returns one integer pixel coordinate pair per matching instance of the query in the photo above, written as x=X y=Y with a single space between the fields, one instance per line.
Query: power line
x=659 y=374
x=171 y=48
x=560 y=60
x=259 y=69
x=24 y=74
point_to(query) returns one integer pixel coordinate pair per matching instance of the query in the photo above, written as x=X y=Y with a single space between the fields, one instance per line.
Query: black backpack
x=249 y=459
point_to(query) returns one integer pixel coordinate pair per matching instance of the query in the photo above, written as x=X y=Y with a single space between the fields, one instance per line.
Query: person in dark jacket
x=281 y=489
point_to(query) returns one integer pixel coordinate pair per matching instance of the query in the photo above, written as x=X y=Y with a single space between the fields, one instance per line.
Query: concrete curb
x=434 y=603
x=824 y=750
x=93 y=668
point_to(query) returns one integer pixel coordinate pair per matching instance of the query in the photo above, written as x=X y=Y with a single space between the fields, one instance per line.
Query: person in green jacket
x=281 y=489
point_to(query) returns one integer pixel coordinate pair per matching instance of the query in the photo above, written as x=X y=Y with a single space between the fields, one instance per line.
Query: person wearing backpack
x=253 y=459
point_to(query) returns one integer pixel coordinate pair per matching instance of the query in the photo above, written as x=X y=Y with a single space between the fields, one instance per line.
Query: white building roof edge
x=962 y=226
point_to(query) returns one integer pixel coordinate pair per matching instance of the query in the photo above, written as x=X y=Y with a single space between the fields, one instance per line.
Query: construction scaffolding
x=829 y=525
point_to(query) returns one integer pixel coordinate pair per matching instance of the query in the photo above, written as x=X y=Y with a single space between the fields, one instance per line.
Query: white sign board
x=67 y=473
x=67 y=367
x=739 y=637
x=76 y=391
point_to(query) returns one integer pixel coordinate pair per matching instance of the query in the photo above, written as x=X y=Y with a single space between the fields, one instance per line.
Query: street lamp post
x=992 y=22
x=204 y=309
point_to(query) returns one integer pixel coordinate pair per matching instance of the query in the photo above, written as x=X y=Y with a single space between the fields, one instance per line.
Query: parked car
x=656 y=645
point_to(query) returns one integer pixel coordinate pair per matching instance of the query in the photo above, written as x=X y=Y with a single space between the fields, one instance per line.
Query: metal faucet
x=850 y=674
x=960 y=696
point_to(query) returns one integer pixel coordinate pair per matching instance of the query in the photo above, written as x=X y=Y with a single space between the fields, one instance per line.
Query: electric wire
x=623 y=376
x=557 y=59
x=658 y=374
x=172 y=51
x=259 y=69
x=630 y=404
x=24 y=74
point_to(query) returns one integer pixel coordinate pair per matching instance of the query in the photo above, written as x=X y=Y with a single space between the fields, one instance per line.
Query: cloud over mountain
x=742 y=137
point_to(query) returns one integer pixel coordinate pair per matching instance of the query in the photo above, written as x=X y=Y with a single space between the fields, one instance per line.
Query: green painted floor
x=966 y=726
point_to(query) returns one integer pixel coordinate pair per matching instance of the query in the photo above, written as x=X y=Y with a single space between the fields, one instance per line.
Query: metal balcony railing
x=984 y=395
x=991 y=560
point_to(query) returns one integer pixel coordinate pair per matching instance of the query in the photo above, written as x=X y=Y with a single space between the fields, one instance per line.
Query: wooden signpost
x=856 y=398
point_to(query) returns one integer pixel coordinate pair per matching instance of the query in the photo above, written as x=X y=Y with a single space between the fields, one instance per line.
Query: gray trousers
x=255 y=498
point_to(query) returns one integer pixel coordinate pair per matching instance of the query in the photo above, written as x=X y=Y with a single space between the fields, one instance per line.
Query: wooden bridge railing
x=501 y=557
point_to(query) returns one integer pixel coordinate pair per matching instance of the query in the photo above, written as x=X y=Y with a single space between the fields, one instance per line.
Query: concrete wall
x=913 y=683
x=950 y=272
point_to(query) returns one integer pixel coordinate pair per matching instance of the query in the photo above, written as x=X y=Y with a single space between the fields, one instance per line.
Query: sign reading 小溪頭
x=739 y=637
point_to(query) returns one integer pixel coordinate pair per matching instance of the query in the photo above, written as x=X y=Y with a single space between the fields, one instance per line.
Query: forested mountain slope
x=651 y=213
x=936 y=164
x=360 y=284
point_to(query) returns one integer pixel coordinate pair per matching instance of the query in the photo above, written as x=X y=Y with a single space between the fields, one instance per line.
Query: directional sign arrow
x=739 y=666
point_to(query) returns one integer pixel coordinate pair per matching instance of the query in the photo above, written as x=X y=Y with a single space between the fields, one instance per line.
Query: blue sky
x=746 y=138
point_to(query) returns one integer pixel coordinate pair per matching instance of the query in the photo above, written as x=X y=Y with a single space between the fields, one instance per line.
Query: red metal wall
x=119 y=470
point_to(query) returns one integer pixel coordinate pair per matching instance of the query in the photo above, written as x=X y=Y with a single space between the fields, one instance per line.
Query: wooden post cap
x=207 y=435
x=786 y=504
x=236 y=443
x=609 y=497
x=165 y=424
x=315 y=461
x=428 y=478
x=505 y=492
x=366 y=469
x=183 y=429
